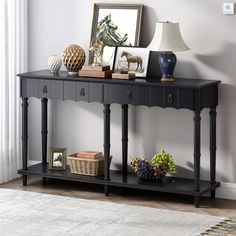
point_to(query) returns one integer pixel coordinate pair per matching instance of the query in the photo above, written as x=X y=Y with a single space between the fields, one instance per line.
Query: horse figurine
x=133 y=59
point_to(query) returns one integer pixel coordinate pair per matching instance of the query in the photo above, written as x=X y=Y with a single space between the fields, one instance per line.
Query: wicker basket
x=82 y=166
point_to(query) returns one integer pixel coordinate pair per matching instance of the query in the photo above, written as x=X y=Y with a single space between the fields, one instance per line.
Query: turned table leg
x=197 y=155
x=124 y=140
x=124 y=144
x=44 y=130
x=24 y=138
x=106 y=145
x=213 y=148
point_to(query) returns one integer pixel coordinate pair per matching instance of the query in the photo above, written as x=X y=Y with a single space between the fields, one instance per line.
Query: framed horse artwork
x=115 y=25
x=137 y=60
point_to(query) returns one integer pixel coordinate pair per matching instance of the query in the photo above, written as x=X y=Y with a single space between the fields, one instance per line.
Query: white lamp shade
x=167 y=38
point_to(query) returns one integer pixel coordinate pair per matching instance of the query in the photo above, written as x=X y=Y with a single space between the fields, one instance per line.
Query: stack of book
x=89 y=155
x=96 y=71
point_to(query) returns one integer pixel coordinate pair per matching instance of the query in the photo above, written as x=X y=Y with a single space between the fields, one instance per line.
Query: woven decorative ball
x=73 y=59
x=54 y=63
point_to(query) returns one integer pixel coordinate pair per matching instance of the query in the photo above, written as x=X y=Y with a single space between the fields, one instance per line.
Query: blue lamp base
x=167 y=61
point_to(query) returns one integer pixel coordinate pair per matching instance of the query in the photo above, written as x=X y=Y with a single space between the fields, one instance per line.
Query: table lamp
x=167 y=38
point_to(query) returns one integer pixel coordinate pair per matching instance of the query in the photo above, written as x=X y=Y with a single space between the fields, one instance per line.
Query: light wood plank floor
x=218 y=207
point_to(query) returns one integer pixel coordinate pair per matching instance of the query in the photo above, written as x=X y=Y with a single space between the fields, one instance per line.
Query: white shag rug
x=25 y=213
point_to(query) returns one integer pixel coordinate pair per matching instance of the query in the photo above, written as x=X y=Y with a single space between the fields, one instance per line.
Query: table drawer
x=44 y=88
x=120 y=94
x=178 y=98
x=128 y=94
x=83 y=91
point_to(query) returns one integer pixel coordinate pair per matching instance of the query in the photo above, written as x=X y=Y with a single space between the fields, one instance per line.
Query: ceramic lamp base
x=167 y=61
x=167 y=79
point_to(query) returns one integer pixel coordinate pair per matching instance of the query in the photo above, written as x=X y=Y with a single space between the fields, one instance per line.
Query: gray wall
x=211 y=36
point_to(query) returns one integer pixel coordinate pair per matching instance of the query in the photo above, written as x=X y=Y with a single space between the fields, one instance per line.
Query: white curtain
x=13 y=60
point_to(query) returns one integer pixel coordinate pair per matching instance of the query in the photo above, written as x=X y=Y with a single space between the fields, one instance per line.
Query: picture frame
x=115 y=25
x=137 y=59
x=57 y=158
x=154 y=70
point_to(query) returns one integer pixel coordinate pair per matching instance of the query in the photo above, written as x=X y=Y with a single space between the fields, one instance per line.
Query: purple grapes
x=145 y=170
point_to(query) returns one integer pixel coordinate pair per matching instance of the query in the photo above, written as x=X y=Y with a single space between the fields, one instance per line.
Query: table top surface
x=63 y=75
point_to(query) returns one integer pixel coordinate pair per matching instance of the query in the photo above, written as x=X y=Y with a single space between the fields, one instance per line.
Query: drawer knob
x=45 y=89
x=170 y=98
x=82 y=92
x=129 y=95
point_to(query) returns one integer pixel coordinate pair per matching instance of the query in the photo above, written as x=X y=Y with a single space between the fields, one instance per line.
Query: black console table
x=192 y=94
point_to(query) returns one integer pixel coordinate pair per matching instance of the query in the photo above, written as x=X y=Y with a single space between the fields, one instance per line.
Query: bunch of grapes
x=135 y=164
x=142 y=168
x=159 y=171
x=146 y=170
x=164 y=159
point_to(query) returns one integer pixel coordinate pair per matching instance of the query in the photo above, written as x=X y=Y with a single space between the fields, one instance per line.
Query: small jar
x=123 y=67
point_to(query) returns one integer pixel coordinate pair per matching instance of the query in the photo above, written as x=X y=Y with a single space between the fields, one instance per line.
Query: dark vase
x=167 y=63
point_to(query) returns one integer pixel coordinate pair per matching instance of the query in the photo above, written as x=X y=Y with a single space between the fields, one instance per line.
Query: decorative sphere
x=54 y=63
x=73 y=58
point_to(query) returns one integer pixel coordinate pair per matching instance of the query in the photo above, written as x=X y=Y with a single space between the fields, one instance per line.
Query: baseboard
x=225 y=191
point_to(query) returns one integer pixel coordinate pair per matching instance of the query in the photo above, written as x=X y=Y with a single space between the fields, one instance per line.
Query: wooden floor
x=218 y=207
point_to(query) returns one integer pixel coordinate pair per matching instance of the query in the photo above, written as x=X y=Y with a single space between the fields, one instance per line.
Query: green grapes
x=164 y=159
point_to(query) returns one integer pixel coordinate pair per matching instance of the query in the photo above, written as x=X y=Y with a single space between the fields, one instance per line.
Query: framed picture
x=154 y=70
x=115 y=25
x=136 y=58
x=57 y=159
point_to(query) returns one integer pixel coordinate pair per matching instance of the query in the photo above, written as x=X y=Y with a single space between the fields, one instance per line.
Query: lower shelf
x=167 y=184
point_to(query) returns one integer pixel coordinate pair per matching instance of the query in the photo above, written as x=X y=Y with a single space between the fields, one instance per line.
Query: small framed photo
x=115 y=25
x=136 y=59
x=57 y=159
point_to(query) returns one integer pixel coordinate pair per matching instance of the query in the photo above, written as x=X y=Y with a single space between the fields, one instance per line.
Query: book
x=89 y=154
x=123 y=76
x=96 y=68
x=96 y=74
